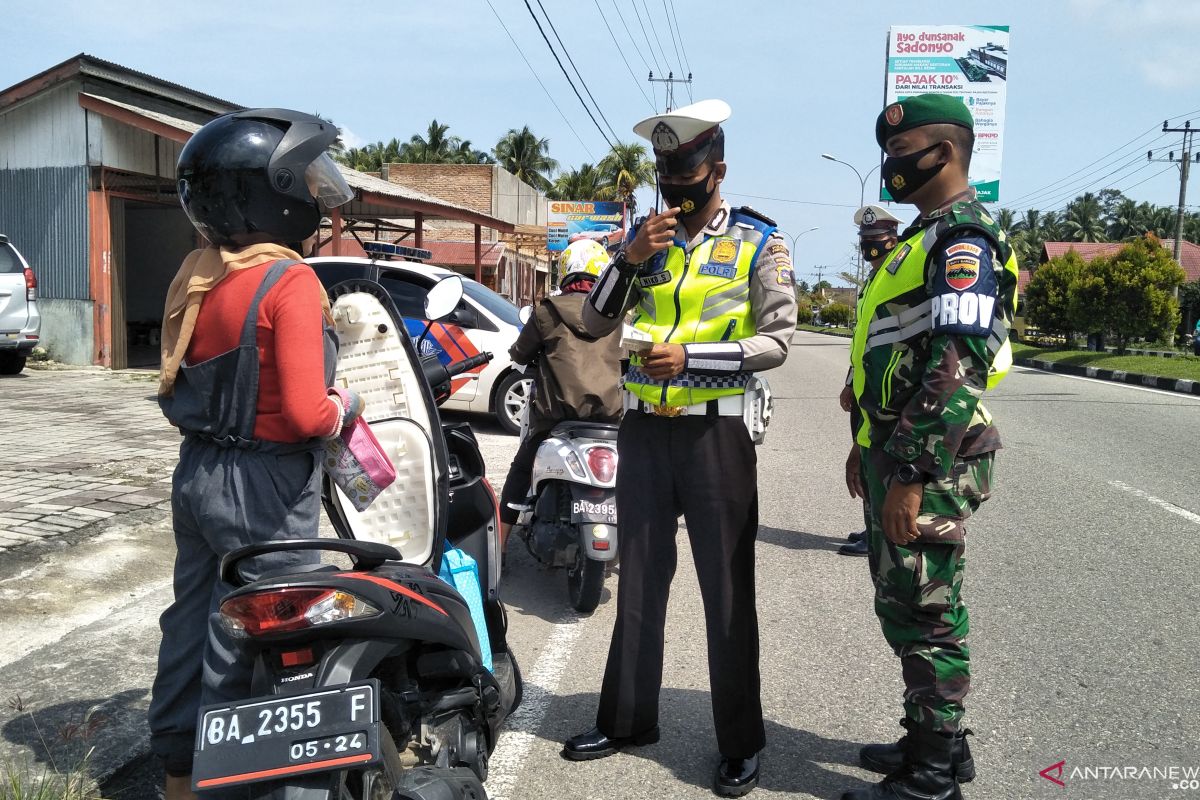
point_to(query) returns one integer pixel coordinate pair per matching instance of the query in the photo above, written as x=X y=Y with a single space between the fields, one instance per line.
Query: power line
x=565 y=73
x=679 y=30
x=654 y=30
x=1056 y=188
x=1021 y=199
x=788 y=200
x=645 y=35
x=675 y=44
x=536 y=77
x=577 y=72
x=622 y=52
x=629 y=33
x=1066 y=193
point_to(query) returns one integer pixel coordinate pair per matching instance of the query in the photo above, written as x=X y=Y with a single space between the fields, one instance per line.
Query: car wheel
x=511 y=398
x=11 y=363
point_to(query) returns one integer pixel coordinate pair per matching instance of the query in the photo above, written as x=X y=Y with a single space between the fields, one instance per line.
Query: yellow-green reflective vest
x=704 y=298
x=875 y=367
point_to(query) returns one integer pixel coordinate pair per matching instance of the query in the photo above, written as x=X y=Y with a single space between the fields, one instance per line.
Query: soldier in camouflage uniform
x=932 y=335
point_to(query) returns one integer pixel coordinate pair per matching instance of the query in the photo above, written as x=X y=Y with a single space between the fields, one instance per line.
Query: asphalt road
x=1081 y=586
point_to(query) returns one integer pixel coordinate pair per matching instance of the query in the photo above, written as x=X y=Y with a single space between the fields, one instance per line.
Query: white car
x=483 y=322
x=20 y=323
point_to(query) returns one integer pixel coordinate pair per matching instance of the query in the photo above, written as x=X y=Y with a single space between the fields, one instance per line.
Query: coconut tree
x=626 y=168
x=523 y=154
x=1083 y=220
x=584 y=183
x=435 y=147
x=1006 y=218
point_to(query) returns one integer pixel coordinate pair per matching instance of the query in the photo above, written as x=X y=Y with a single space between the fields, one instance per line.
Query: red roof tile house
x=1189 y=254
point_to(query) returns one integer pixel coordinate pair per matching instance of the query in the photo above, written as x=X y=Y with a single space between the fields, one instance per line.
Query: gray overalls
x=229 y=490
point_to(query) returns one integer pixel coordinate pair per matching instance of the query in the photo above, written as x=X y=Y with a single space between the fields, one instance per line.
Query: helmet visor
x=326 y=184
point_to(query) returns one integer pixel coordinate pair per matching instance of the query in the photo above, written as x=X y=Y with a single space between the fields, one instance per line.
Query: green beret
x=922 y=109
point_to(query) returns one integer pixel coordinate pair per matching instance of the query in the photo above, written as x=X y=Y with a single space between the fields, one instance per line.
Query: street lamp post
x=862 y=200
x=797 y=236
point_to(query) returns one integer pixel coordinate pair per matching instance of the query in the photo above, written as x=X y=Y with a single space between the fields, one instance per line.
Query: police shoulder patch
x=898 y=258
x=784 y=276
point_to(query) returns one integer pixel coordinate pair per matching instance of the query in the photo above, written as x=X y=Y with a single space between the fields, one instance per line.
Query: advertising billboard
x=969 y=62
x=569 y=221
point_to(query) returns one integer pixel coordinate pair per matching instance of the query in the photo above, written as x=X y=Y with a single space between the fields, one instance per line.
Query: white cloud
x=352 y=139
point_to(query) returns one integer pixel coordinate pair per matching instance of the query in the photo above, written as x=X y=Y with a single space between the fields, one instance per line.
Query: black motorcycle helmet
x=260 y=175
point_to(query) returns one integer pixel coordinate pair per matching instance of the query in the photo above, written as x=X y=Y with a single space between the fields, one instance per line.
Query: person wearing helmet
x=577 y=374
x=248 y=356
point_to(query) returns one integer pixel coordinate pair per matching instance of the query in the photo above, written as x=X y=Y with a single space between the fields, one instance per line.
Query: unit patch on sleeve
x=784 y=277
x=964 y=289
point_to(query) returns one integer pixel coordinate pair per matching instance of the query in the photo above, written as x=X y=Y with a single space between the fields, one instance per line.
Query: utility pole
x=670 y=81
x=1185 y=162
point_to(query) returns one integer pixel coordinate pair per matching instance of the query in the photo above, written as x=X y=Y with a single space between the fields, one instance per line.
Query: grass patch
x=1180 y=367
x=846 y=332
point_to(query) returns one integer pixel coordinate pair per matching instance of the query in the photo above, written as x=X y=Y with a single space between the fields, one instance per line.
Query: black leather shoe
x=595 y=744
x=855 y=548
x=736 y=776
x=860 y=536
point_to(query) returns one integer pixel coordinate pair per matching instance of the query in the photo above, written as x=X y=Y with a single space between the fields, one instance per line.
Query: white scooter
x=570 y=517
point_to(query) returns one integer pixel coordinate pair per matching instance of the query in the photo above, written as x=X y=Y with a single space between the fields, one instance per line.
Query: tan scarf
x=200 y=272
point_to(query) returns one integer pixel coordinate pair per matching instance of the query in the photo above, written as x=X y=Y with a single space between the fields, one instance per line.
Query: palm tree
x=435 y=147
x=626 y=169
x=1128 y=220
x=523 y=154
x=466 y=154
x=585 y=183
x=1006 y=219
x=1083 y=221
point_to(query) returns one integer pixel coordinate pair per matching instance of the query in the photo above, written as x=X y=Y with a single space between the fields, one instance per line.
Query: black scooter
x=369 y=682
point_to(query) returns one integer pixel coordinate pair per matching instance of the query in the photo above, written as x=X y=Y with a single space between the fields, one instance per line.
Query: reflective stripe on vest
x=704 y=298
x=891 y=281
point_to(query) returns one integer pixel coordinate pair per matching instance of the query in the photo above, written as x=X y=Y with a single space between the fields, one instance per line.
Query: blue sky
x=803 y=78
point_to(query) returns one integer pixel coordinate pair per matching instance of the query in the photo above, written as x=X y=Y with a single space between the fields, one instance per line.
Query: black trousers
x=705 y=468
x=516 y=485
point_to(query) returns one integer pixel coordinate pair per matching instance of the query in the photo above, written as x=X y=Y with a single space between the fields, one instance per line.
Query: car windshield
x=493 y=302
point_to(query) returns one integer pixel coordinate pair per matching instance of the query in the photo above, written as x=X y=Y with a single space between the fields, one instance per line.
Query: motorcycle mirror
x=443 y=298
x=526 y=314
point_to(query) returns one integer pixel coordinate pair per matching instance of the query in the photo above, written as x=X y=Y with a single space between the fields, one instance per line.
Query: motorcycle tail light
x=603 y=462
x=282 y=610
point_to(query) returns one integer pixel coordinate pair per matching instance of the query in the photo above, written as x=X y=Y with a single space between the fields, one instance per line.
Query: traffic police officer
x=876 y=238
x=712 y=288
x=932 y=335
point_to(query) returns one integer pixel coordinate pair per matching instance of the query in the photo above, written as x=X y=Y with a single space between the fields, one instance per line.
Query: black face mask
x=873 y=249
x=689 y=198
x=902 y=176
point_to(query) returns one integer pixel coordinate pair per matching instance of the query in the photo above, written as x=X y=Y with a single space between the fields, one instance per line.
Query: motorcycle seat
x=585 y=429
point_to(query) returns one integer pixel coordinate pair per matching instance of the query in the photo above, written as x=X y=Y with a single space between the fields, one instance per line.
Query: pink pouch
x=358 y=464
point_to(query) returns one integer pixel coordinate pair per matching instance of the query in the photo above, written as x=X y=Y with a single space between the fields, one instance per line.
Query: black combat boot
x=926 y=773
x=886 y=758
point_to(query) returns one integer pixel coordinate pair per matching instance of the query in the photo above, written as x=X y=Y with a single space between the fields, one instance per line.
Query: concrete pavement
x=1081 y=587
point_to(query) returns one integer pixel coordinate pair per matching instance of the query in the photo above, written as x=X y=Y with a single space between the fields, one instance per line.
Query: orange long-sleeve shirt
x=292 y=401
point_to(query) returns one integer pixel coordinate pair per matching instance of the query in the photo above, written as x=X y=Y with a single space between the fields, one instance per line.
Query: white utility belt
x=730 y=406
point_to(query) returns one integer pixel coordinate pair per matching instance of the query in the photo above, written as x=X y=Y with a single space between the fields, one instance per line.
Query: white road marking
x=1107 y=383
x=1163 y=504
x=520 y=729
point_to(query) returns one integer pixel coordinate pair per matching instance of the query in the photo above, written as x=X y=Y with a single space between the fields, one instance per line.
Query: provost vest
x=702 y=298
x=894 y=309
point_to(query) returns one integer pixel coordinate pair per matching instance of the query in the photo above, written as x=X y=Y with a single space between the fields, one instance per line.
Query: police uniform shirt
x=772 y=299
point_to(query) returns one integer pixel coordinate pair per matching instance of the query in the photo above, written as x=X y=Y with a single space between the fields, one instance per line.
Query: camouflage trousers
x=918 y=587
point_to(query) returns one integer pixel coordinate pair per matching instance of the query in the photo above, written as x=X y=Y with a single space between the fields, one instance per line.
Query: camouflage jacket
x=931 y=320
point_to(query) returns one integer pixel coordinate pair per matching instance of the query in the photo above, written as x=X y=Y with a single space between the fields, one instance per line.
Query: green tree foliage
x=1189 y=304
x=436 y=146
x=584 y=183
x=1048 y=296
x=527 y=156
x=625 y=169
x=1128 y=295
x=836 y=314
x=804 y=312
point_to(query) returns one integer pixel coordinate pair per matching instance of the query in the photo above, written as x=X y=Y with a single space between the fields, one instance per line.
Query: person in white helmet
x=578 y=375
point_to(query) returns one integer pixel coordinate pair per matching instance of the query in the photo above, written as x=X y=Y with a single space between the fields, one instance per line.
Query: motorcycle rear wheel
x=585 y=582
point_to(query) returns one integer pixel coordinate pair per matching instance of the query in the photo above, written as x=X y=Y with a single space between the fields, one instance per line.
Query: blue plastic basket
x=460 y=571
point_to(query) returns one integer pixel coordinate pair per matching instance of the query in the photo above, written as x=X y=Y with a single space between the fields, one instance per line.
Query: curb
x=827 y=333
x=1180 y=385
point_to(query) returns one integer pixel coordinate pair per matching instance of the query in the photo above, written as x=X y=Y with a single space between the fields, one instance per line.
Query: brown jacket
x=578 y=377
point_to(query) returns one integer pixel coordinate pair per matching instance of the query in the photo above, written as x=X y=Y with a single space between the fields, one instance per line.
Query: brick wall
x=467 y=185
